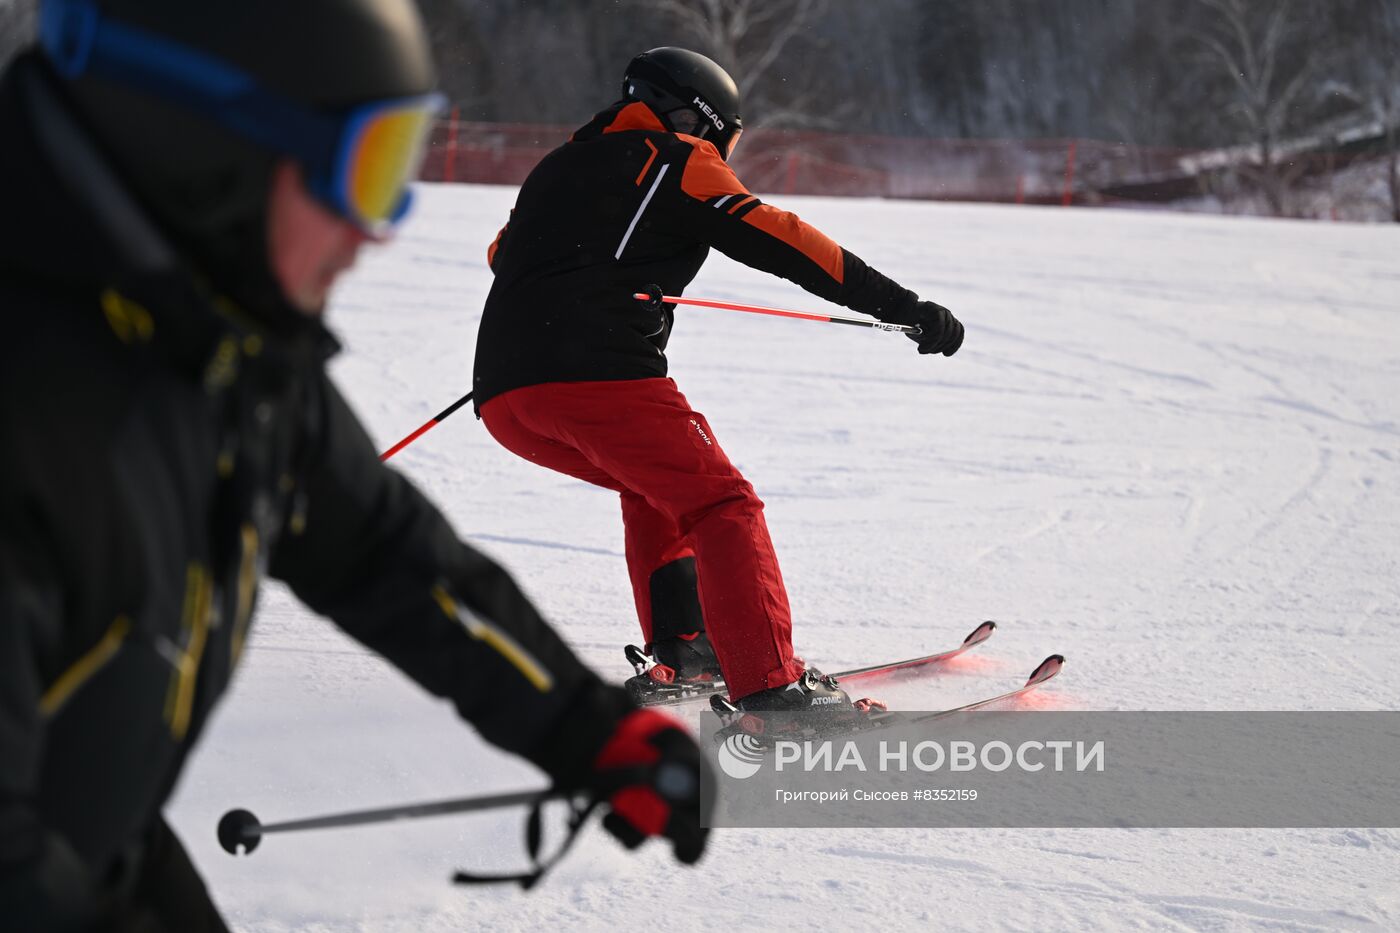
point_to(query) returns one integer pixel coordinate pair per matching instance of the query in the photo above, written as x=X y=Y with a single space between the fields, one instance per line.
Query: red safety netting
x=1033 y=171
x=799 y=162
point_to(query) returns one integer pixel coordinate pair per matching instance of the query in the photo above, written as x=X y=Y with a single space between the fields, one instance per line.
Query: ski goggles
x=688 y=121
x=359 y=162
x=733 y=141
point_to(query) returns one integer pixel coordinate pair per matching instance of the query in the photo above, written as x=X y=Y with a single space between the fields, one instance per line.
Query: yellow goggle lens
x=388 y=152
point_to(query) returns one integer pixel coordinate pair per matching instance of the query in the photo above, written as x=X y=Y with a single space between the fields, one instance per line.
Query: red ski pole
x=654 y=299
x=431 y=423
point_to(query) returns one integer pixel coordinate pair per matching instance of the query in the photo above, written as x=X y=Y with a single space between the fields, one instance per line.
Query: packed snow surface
x=1168 y=449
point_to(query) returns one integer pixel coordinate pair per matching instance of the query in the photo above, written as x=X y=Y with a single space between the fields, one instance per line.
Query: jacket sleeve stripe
x=90 y=663
x=504 y=645
x=741 y=203
x=640 y=211
x=180 y=696
x=742 y=210
x=650 y=159
x=247 y=588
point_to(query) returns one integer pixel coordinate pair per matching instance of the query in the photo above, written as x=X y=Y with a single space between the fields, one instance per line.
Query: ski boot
x=829 y=706
x=679 y=668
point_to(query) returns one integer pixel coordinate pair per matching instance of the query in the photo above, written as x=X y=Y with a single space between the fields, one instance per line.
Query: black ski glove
x=649 y=774
x=940 y=331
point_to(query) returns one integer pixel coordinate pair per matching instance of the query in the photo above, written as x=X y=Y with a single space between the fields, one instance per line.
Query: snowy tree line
x=1155 y=72
x=1187 y=73
x=1150 y=72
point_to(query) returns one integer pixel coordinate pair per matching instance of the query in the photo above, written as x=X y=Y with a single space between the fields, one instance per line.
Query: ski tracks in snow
x=1168 y=443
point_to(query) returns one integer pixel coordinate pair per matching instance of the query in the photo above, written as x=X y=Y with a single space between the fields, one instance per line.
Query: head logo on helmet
x=689 y=93
x=705 y=108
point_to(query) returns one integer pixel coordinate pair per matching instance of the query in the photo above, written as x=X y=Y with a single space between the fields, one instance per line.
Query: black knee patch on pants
x=675 y=600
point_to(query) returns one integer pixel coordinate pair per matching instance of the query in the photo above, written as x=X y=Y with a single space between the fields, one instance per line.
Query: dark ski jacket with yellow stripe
x=622 y=205
x=160 y=454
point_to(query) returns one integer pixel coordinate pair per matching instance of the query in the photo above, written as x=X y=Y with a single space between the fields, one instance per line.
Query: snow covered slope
x=1170 y=444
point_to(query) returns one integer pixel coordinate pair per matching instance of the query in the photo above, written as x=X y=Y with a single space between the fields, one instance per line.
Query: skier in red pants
x=571 y=370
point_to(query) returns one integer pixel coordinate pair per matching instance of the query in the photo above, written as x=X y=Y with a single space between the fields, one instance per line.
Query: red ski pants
x=680 y=494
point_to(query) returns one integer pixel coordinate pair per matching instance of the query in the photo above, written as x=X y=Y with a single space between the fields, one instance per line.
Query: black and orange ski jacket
x=162 y=456
x=622 y=205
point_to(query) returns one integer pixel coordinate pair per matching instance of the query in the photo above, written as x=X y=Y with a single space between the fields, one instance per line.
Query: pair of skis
x=240 y=830
x=674 y=694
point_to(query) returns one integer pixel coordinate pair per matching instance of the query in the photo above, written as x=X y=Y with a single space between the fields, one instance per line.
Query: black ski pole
x=241 y=828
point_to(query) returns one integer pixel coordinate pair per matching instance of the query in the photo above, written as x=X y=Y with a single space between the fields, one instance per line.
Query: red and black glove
x=640 y=763
x=649 y=774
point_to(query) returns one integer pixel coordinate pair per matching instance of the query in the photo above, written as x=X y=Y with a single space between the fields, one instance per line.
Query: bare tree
x=748 y=38
x=461 y=53
x=1371 y=81
x=877 y=66
x=1261 y=49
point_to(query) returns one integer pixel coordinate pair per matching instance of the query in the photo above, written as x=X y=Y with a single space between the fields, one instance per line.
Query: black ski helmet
x=689 y=93
x=203 y=181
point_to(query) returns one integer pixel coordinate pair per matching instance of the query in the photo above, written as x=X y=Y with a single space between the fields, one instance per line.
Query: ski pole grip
x=652 y=295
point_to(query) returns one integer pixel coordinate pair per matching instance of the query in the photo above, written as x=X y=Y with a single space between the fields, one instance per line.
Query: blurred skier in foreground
x=570 y=369
x=183 y=183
